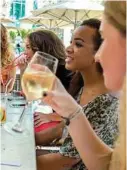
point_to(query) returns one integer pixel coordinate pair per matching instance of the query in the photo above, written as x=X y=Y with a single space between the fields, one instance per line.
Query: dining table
x=18 y=151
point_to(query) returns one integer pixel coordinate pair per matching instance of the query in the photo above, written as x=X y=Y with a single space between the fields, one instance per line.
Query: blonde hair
x=115 y=13
x=6 y=57
x=118 y=161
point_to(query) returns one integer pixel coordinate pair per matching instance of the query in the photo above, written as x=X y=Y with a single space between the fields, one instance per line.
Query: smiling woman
x=95 y=154
x=96 y=103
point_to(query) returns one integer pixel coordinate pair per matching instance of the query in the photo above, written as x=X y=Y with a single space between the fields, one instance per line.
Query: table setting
x=18 y=149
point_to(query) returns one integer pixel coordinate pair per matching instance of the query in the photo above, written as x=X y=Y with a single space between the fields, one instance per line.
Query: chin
x=69 y=67
x=114 y=85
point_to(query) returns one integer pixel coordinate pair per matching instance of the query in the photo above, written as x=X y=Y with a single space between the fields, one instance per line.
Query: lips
x=69 y=59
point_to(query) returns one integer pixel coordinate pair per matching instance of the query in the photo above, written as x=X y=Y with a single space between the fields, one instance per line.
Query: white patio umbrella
x=72 y=12
x=48 y=23
x=4 y=19
x=11 y=27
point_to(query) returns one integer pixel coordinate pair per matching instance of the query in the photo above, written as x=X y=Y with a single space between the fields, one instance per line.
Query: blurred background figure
x=18 y=43
x=8 y=70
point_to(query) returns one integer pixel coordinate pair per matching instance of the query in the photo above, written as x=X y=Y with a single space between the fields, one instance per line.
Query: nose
x=97 y=56
x=25 y=51
x=69 y=49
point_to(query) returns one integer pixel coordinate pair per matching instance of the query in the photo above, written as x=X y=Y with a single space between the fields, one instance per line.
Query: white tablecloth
x=18 y=149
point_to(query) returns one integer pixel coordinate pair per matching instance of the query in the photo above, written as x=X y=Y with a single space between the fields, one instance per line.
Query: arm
x=94 y=153
x=9 y=74
x=12 y=75
x=45 y=137
x=40 y=118
x=55 y=117
x=55 y=161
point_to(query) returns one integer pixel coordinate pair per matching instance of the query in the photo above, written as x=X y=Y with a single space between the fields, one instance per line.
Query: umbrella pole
x=76 y=14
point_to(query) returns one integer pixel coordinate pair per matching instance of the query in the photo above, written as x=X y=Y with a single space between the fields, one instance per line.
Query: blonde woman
x=8 y=70
x=112 y=57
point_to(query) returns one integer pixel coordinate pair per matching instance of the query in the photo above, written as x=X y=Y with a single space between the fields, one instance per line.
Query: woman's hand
x=22 y=59
x=40 y=118
x=60 y=100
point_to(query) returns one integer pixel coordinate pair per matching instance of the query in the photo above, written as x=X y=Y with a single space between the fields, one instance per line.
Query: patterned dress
x=102 y=113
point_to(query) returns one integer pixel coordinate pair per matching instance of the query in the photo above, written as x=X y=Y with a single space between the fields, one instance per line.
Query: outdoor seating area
x=63 y=85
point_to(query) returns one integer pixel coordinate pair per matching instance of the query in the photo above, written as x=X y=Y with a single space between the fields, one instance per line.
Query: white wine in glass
x=39 y=75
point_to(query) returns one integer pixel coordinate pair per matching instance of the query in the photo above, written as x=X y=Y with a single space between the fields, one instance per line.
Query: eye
x=102 y=38
x=28 y=47
x=78 y=44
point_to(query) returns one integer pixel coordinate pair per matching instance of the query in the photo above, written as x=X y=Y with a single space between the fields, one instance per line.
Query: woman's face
x=28 y=50
x=80 y=53
x=112 y=56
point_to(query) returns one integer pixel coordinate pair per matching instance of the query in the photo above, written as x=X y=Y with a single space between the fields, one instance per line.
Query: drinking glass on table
x=37 y=78
x=3 y=112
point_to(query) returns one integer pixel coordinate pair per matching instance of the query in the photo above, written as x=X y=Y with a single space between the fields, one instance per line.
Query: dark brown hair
x=48 y=42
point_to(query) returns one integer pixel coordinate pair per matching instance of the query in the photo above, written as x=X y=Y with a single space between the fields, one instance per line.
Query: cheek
x=103 y=54
x=29 y=53
x=85 y=58
x=113 y=61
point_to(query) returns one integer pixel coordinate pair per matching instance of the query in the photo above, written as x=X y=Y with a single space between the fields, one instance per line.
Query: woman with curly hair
x=8 y=70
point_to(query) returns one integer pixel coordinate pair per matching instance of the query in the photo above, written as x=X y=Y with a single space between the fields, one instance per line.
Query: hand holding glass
x=36 y=79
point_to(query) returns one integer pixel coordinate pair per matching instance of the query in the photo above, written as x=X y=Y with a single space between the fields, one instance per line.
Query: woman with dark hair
x=95 y=154
x=48 y=42
x=87 y=87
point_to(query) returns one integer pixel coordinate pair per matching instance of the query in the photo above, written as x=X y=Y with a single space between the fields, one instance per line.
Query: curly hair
x=6 y=57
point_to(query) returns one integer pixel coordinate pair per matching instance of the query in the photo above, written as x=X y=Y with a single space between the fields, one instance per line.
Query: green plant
x=12 y=35
x=24 y=33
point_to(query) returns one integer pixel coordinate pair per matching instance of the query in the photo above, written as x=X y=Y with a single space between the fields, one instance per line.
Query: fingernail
x=44 y=94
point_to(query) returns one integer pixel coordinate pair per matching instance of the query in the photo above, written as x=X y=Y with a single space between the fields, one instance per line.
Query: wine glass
x=39 y=75
x=37 y=78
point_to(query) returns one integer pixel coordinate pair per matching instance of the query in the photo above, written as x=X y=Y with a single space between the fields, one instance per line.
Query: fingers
x=40 y=118
x=36 y=118
x=22 y=59
x=49 y=98
x=37 y=123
